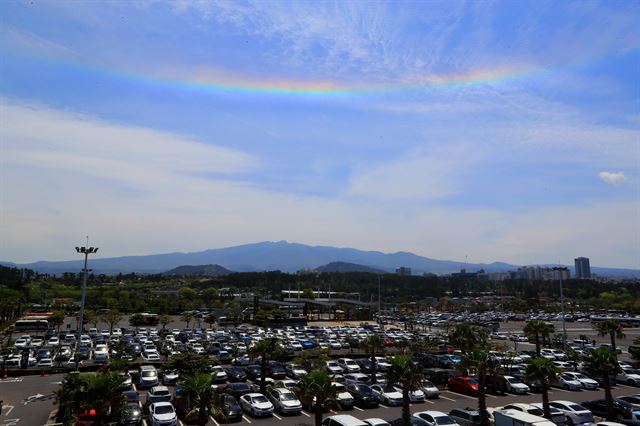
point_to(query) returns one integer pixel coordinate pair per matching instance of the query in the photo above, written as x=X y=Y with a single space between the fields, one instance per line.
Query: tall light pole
x=86 y=251
x=560 y=270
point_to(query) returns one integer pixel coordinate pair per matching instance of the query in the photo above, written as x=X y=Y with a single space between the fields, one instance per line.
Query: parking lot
x=29 y=399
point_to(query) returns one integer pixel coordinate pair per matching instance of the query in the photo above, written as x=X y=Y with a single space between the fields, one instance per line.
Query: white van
x=519 y=418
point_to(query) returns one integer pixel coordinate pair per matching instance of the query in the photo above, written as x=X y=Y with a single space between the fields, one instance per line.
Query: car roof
x=161 y=404
x=431 y=413
x=348 y=420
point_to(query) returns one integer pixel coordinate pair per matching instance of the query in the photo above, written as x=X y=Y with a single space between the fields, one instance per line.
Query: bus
x=31 y=324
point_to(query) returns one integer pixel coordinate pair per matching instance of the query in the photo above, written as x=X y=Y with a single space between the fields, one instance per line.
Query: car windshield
x=579 y=376
x=259 y=399
x=164 y=409
x=427 y=384
x=513 y=380
x=576 y=407
x=287 y=396
x=148 y=374
x=444 y=420
x=535 y=411
x=472 y=381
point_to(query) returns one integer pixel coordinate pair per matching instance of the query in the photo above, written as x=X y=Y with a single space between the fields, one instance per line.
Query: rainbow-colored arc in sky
x=247 y=85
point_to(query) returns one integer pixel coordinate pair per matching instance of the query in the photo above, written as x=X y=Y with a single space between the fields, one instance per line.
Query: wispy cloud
x=612 y=178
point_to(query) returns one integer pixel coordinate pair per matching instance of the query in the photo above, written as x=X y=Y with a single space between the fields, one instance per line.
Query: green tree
x=104 y=392
x=199 y=392
x=544 y=371
x=187 y=317
x=371 y=345
x=408 y=375
x=113 y=318
x=611 y=328
x=308 y=293
x=164 y=319
x=210 y=319
x=316 y=388
x=89 y=317
x=604 y=362
x=57 y=319
x=313 y=359
x=189 y=364
x=468 y=337
x=538 y=329
x=634 y=350
x=266 y=350
x=136 y=320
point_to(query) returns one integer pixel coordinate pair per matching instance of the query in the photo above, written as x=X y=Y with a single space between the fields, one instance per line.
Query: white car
x=285 y=401
x=629 y=376
x=430 y=390
x=575 y=413
x=514 y=385
x=557 y=416
x=375 y=421
x=256 y=404
x=358 y=378
x=567 y=382
x=348 y=365
x=53 y=341
x=586 y=382
x=344 y=398
x=436 y=418
x=221 y=375
x=22 y=343
x=162 y=414
x=45 y=362
x=382 y=363
x=101 y=354
x=387 y=396
x=414 y=396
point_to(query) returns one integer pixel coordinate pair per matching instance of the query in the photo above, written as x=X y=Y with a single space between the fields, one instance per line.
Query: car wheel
x=566 y=387
x=631 y=382
x=569 y=421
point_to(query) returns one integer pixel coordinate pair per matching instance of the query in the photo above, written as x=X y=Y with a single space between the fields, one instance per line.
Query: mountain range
x=283 y=256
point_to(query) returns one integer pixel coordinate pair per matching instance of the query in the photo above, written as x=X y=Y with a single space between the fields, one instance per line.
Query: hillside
x=348 y=267
x=198 y=271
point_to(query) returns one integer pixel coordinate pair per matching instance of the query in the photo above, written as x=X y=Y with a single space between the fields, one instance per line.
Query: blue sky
x=495 y=130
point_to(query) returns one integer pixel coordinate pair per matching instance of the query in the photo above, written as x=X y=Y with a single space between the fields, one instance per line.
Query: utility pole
x=560 y=270
x=86 y=251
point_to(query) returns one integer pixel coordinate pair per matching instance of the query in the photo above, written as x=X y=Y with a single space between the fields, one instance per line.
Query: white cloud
x=612 y=178
x=134 y=157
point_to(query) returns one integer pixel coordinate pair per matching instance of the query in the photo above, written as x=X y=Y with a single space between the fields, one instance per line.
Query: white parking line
x=358 y=408
x=383 y=406
x=144 y=422
x=180 y=423
x=214 y=421
x=429 y=401
x=448 y=399
x=620 y=385
x=490 y=396
x=563 y=390
x=277 y=416
x=305 y=414
x=246 y=419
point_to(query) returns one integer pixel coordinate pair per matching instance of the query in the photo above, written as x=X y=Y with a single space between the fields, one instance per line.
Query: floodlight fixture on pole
x=86 y=251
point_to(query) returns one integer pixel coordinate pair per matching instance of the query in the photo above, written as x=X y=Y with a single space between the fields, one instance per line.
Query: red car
x=465 y=385
x=388 y=342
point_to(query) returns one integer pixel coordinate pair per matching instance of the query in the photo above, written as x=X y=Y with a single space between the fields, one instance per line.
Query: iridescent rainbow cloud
x=226 y=84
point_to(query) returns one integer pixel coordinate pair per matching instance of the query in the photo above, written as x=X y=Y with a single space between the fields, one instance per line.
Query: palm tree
x=604 y=362
x=71 y=398
x=316 y=387
x=210 y=319
x=481 y=361
x=538 y=329
x=105 y=395
x=266 y=349
x=408 y=375
x=371 y=345
x=467 y=337
x=545 y=371
x=613 y=328
x=197 y=389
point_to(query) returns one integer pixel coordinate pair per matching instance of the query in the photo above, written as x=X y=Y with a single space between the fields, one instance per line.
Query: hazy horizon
x=502 y=131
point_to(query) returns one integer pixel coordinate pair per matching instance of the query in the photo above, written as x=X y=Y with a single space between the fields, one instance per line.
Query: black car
x=237 y=389
x=231 y=412
x=131 y=396
x=253 y=372
x=365 y=365
x=622 y=409
x=44 y=353
x=84 y=352
x=236 y=374
x=363 y=396
x=131 y=414
x=276 y=370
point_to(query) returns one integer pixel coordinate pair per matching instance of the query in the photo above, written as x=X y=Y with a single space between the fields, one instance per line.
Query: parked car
x=159 y=394
x=148 y=377
x=285 y=401
x=575 y=413
x=430 y=390
x=236 y=374
x=464 y=385
x=567 y=382
x=514 y=385
x=363 y=396
x=585 y=381
x=557 y=416
x=465 y=416
x=388 y=396
x=256 y=404
x=162 y=414
x=622 y=409
x=436 y=418
x=131 y=415
x=343 y=397
x=348 y=365
x=238 y=389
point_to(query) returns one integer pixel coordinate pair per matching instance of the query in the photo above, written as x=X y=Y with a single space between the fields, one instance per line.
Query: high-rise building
x=583 y=269
x=403 y=270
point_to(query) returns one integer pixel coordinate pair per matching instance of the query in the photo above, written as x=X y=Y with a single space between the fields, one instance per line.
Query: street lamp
x=560 y=270
x=86 y=251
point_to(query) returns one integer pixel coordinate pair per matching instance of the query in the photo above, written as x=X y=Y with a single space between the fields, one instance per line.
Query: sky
x=496 y=130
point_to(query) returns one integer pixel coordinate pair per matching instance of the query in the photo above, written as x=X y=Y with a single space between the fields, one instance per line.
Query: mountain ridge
x=283 y=256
